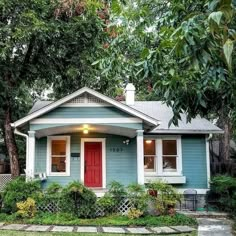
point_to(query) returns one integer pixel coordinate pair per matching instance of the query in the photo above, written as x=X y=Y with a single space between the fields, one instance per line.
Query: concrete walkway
x=90 y=229
x=214 y=227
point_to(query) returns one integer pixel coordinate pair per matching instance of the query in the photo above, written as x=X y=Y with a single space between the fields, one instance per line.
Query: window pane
x=169 y=147
x=58 y=164
x=149 y=147
x=169 y=164
x=149 y=163
x=58 y=156
x=58 y=147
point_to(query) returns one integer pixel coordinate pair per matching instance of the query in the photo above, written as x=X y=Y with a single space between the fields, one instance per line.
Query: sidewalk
x=90 y=229
x=214 y=227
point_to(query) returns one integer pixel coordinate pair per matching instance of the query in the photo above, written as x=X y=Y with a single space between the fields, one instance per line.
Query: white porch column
x=140 y=157
x=31 y=156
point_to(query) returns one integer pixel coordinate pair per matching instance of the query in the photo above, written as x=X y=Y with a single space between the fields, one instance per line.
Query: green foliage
x=18 y=190
x=117 y=191
x=26 y=209
x=45 y=44
x=112 y=220
x=223 y=189
x=182 y=54
x=115 y=194
x=78 y=199
x=137 y=195
x=107 y=202
x=166 y=198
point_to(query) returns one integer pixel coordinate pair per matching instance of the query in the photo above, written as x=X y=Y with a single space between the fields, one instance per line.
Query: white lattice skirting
x=4 y=179
x=122 y=208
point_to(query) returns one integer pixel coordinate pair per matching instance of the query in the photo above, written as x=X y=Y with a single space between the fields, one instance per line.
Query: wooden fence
x=223 y=167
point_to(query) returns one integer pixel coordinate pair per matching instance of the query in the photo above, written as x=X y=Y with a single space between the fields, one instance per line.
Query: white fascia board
x=183 y=131
x=59 y=102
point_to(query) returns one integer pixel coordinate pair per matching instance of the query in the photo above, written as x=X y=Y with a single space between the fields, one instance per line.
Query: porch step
x=204 y=214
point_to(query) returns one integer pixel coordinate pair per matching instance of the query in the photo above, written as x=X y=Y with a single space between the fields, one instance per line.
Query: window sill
x=57 y=174
x=168 y=179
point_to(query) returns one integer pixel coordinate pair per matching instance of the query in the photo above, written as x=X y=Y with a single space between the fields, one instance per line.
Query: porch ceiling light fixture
x=148 y=141
x=85 y=131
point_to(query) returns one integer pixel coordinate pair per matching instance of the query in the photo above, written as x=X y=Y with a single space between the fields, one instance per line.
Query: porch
x=67 y=153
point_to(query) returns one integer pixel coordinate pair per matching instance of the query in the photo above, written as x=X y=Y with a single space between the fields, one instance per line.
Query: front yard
x=111 y=220
x=26 y=207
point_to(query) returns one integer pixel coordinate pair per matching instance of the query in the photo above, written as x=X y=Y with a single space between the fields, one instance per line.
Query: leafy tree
x=182 y=53
x=44 y=42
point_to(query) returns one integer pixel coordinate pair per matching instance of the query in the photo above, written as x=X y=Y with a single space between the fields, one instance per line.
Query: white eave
x=185 y=131
x=67 y=98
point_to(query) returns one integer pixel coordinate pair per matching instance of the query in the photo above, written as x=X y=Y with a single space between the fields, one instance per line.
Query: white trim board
x=103 y=141
x=168 y=179
x=48 y=165
x=184 y=131
x=85 y=120
x=208 y=162
x=61 y=101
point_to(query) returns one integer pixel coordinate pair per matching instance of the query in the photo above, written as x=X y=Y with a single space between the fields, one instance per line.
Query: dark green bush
x=223 y=189
x=78 y=199
x=18 y=190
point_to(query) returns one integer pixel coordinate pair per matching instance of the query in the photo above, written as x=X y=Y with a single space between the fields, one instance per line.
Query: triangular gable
x=77 y=95
x=86 y=99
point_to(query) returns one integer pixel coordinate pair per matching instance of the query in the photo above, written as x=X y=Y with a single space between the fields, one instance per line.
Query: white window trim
x=103 y=141
x=159 y=159
x=49 y=160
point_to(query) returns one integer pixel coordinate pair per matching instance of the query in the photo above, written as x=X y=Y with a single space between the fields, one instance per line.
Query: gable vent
x=86 y=99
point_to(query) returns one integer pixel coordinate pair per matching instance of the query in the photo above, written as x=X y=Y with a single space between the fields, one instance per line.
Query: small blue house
x=92 y=138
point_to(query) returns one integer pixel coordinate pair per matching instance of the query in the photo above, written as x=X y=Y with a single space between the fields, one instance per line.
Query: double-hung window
x=58 y=156
x=150 y=155
x=162 y=156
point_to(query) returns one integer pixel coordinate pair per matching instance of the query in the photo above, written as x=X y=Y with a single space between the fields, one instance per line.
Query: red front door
x=93 y=164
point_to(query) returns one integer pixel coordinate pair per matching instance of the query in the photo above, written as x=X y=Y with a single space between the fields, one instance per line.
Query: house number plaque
x=116 y=149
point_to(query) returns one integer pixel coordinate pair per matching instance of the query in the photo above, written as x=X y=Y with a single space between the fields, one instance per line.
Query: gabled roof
x=50 y=106
x=162 y=112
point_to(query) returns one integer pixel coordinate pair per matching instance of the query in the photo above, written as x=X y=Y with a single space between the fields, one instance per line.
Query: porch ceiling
x=107 y=129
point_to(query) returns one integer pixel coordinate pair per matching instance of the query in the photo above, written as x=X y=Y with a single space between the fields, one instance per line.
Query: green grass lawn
x=20 y=233
x=113 y=220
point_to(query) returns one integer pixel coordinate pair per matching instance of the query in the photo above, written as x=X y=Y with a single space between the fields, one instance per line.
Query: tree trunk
x=11 y=143
x=224 y=139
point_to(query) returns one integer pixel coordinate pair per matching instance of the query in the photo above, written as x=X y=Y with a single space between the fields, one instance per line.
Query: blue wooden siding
x=86 y=112
x=194 y=161
x=120 y=159
x=122 y=166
